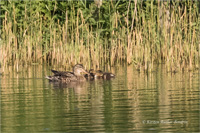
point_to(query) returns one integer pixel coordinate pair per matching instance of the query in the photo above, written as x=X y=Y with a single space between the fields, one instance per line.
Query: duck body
x=98 y=74
x=107 y=75
x=62 y=76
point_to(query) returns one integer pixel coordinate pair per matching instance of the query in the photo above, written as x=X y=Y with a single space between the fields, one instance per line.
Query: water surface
x=133 y=101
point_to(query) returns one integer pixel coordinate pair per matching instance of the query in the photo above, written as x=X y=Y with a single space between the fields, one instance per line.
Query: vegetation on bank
x=69 y=32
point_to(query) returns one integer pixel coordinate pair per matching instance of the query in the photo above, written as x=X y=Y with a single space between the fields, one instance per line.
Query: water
x=133 y=101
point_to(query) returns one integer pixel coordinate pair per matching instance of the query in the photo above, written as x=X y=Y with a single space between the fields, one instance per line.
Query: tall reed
x=65 y=33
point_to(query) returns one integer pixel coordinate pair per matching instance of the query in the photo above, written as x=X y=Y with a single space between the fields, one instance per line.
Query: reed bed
x=143 y=33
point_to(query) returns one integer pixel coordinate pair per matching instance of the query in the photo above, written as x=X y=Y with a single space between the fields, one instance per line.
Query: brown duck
x=99 y=74
x=77 y=75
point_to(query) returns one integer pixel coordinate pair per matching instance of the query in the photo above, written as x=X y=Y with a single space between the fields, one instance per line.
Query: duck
x=99 y=74
x=65 y=76
x=107 y=75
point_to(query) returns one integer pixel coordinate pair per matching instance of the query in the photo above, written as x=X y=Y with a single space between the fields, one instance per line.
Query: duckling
x=99 y=74
x=107 y=75
x=92 y=74
x=76 y=75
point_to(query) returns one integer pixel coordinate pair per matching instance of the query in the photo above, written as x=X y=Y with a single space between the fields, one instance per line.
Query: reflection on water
x=133 y=101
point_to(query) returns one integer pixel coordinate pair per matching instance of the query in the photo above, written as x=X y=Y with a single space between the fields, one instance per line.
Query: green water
x=133 y=101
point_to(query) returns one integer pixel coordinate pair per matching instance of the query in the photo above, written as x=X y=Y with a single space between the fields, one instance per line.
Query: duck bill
x=85 y=72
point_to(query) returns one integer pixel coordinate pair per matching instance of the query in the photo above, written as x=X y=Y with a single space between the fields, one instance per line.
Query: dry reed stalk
x=174 y=42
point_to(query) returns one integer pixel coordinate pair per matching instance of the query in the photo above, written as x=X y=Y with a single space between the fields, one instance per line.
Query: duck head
x=79 y=70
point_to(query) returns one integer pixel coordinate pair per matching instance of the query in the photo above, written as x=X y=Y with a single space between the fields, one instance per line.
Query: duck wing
x=62 y=76
x=61 y=73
